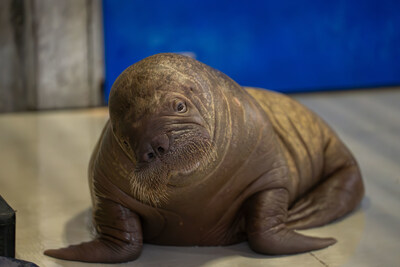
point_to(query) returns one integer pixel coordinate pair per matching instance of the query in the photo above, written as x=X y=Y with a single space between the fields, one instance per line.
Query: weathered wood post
x=51 y=54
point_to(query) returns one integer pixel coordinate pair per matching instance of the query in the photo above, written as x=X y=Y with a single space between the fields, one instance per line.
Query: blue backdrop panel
x=288 y=46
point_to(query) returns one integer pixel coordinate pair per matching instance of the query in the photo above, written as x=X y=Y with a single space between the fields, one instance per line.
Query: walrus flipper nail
x=119 y=238
x=266 y=230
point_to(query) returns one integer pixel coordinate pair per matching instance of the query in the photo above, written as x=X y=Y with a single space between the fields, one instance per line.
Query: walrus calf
x=189 y=157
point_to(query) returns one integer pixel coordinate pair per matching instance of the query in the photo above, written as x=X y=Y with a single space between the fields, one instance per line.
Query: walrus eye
x=180 y=107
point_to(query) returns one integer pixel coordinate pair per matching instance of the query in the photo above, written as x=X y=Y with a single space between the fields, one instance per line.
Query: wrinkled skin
x=191 y=158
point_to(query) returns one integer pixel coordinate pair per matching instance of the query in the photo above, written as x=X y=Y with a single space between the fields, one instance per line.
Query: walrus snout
x=150 y=149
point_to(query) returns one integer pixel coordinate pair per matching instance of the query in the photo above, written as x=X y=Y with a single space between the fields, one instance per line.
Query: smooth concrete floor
x=44 y=158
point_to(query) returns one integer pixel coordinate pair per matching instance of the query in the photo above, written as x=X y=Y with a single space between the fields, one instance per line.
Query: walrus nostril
x=149 y=156
x=160 y=144
x=156 y=148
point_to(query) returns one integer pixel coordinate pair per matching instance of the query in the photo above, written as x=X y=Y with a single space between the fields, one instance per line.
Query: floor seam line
x=318 y=259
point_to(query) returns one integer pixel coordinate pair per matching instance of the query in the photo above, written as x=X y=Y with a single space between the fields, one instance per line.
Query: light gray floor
x=44 y=157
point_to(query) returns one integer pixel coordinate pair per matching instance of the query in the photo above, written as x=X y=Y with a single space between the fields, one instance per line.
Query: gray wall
x=51 y=54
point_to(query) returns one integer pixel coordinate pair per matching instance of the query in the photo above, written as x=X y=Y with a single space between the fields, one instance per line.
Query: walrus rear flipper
x=339 y=194
x=266 y=229
x=119 y=237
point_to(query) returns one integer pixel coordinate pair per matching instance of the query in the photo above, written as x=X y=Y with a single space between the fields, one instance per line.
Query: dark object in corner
x=7 y=229
x=10 y=262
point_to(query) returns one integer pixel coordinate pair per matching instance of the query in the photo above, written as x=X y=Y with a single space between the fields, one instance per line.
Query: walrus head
x=163 y=117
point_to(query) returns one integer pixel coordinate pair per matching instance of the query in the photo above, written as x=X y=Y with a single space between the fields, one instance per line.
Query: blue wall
x=288 y=46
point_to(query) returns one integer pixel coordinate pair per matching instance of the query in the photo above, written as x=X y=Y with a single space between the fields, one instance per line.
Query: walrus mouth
x=150 y=182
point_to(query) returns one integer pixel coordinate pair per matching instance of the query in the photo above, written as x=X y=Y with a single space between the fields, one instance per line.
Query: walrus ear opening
x=126 y=144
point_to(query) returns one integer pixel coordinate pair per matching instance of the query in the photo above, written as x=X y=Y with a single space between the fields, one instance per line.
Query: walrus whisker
x=149 y=181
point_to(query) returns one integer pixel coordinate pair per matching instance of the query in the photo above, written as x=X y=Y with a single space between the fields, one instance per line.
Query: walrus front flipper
x=266 y=230
x=119 y=237
x=98 y=250
x=338 y=195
